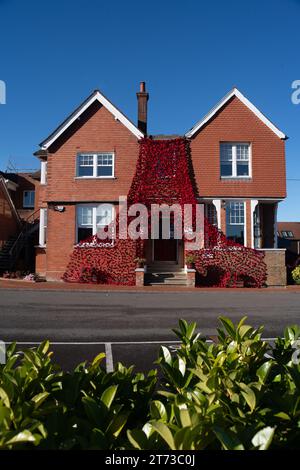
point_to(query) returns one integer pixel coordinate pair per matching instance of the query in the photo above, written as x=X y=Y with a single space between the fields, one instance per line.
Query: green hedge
x=237 y=393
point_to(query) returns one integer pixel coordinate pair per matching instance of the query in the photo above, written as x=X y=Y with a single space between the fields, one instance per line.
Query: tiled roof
x=293 y=227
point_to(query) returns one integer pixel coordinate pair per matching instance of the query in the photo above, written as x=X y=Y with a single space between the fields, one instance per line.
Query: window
x=235 y=160
x=95 y=165
x=90 y=218
x=235 y=221
x=284 y=234
x=290 y=234
x=211 y=214
x=43 y=227
x=28 y=199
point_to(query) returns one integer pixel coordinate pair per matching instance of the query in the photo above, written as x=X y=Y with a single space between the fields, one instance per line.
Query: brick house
x=238 y=159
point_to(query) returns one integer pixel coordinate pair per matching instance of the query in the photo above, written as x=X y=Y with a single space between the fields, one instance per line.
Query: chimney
x=142 y=97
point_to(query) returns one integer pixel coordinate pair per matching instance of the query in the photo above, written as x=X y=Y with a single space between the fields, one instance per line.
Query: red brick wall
x=40 y=261
x=8 y=222
x=60 y=240
x=235 y=122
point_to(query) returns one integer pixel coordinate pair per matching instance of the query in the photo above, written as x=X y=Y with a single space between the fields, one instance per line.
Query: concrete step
x=164 y=269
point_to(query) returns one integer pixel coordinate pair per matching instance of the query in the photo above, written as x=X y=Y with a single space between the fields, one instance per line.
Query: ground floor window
x=211 y=214
x=91 y=217
x=235 y=221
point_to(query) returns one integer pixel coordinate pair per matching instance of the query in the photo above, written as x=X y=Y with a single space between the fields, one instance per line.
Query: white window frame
x=43 y=172
x=43 y=227
x=94 y=216
x=95 y=165
x=234 y=160
x=30 y=206
x=245 y=217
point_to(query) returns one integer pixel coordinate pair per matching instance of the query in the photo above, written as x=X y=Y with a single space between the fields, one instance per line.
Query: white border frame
x=96 y=96
x=234 y=160
x=95 y=165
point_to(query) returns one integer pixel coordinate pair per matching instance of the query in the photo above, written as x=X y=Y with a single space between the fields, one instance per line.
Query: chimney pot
x=142 y=87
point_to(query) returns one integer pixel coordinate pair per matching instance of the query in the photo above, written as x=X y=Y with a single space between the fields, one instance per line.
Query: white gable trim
x=246 y=102
x=96 y=96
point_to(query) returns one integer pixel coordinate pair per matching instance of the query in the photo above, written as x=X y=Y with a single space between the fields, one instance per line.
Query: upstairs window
x=28 y=199
x=100 y=165
x=235 y=160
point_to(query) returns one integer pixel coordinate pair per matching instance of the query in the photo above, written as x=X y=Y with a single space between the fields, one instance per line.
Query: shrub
x=237 y=393
x=296 y=275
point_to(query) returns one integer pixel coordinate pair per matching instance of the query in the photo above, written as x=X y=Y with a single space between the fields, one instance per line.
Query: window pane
x=85 y=216
x=226 y=169
x=28 y=199
x=242 y=168
x=85 y=171
x=84 y=233
x=85 y=165
x=235 y=213
x=242 y=152
x=226 y=152
x=104 y=214
x=104 y=171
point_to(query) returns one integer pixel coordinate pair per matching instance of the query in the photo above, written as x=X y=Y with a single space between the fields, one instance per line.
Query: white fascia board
x=108 y=105
x=246 y=102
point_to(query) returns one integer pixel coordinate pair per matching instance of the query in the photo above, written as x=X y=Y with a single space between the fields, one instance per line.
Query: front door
x=165 y=249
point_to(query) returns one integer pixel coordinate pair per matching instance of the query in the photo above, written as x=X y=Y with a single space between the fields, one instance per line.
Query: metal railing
x=29 y=225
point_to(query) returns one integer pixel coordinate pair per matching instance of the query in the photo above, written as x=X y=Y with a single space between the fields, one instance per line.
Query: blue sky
x=190 y=53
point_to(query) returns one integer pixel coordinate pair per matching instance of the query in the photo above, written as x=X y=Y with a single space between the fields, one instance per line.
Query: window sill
x=40 y=246
x=95 y=177
x=236 y=178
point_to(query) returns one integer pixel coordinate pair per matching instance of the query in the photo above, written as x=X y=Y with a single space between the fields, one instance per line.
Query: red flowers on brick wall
x=164 y=175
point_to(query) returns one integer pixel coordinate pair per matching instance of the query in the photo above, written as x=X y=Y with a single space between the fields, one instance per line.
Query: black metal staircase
x=11 y=251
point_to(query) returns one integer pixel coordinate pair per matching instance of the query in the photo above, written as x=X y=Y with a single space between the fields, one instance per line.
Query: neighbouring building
x=288 y=234
x=238 y=166
x=19 y=220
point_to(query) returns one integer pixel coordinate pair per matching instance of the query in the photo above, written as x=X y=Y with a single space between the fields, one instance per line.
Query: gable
x=95 y=97
x=234 y=93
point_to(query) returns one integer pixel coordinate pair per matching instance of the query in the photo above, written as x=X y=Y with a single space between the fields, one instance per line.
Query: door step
x=166 y=278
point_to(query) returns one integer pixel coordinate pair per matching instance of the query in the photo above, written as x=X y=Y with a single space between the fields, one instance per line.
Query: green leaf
x=185 y=417
x=166 y=354
x=94 y=411
x=228 y=439
x=43 y=347
x=158 y=410
x=40 y=398
x=98 y=359
x=23 y=436
x=108 y=395
x=137 y=438
x=4 y=397
x=165 y=433
x=249 y=395
x=263 y=371
x=263 y=438
x=117 y=424
x=229 y=326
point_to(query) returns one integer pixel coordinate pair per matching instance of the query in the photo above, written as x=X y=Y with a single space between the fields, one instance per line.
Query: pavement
x=130 y=324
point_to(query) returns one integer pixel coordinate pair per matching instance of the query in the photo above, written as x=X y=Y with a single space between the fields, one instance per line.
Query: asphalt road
x=133 y=323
